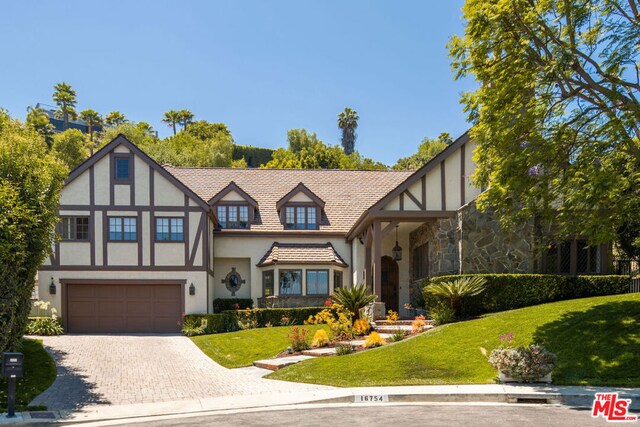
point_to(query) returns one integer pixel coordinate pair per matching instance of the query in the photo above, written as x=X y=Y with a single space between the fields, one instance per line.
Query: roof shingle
x=302 y=253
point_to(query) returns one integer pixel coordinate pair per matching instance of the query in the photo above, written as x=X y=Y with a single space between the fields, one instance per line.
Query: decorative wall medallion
x=233 y=281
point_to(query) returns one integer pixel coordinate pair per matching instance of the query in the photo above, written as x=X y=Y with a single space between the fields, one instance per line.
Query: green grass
x=597 y=341
x=39 y=374
x=242 y=348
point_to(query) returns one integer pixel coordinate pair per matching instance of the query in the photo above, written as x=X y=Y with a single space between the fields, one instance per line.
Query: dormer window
x=300 y=209
x=300 y=218
x=122 y=168
x=233 y=216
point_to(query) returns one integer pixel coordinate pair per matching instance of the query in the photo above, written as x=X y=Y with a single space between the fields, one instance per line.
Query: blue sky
x=261 y=67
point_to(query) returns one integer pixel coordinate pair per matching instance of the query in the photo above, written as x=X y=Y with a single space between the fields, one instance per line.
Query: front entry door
x=390 y=286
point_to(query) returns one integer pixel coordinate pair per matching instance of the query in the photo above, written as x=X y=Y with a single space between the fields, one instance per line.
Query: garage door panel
x=123 y=308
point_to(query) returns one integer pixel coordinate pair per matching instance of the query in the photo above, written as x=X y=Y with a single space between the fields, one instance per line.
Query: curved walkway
x=129 y=369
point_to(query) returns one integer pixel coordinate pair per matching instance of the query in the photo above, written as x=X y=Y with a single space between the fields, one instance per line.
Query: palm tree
x=65 y=97
x=172 y=118
x=456 y=290
x=93 y=119
x=185 y=117
x=348 y=122
x=38 y=119
x=115 y=118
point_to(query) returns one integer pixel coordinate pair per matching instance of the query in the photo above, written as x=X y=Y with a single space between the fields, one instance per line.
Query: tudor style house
x=142 y=243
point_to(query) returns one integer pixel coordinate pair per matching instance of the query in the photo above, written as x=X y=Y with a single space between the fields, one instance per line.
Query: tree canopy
x=556 y=116
x=115 y=118
x=427 y=150
x=65 y=98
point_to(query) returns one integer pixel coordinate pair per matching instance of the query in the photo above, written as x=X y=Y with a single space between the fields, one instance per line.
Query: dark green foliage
x=215 y=323
x=254 y=156
x=354 y=299
x=509 y=291
x=223 y=304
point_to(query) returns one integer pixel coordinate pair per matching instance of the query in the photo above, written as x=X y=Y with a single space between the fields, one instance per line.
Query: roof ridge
x=167 y=165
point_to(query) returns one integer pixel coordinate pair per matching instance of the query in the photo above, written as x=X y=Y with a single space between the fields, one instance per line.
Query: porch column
x=377 y=258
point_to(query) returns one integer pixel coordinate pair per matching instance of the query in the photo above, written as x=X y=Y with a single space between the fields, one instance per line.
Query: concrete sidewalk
x=490 y=393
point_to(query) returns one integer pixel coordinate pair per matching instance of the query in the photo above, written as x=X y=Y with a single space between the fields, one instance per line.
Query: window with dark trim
x=75 y=228
x=421 y=262
x=122 y=168
x=572 y=257
x=290 y=282
x=267 y=283
x=169 y=229
x=337 y=279
x=123 y=229
x=317 y=282
x=300 y=218
x=233 y=216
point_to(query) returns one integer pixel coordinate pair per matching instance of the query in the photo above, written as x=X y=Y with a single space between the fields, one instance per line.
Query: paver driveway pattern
x=126 y=369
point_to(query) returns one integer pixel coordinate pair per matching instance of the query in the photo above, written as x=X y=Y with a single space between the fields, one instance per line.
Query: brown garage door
x=147 y=308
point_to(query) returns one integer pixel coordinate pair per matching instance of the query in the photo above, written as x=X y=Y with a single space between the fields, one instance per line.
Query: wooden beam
x=377 y=260
x=414 y=199
x=389 y=227
x=443 y=188
x=463 y=184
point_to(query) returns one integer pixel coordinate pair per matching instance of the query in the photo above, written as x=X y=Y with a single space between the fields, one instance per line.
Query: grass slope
x=597 y=341
x=40 y=372
x=242 y=348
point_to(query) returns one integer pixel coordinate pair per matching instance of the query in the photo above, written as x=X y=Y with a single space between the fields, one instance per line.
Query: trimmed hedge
x=223 y=304
x=254 y=156
x=227 y=321
x=510 y=291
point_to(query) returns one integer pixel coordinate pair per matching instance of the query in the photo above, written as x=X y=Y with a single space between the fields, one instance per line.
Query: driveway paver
x=127 y=369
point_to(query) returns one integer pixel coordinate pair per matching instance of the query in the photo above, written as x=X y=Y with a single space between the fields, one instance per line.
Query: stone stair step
x=323 y=351
x=390 y=329
x=280 y=362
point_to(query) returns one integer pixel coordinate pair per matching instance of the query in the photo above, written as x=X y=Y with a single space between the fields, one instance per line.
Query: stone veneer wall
x=487 y=248
x=442 y=236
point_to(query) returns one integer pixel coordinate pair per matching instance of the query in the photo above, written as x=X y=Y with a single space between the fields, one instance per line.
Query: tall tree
x=38 y=119
x=556 y=118
x=185 y=117
x=93 y=120
x=204 y=130
x=172 y=118
x=348 y=122
x=70 y=147
x=115 y=118
x=30 y=183
x=65 y=98
x=427 y=150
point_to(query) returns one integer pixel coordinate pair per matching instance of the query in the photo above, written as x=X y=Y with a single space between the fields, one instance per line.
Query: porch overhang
x=368 y=218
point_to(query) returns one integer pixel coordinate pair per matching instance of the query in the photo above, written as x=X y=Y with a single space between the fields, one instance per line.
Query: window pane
x=66 y=229
x=312 y=282
x=177 y=229
x=290 y=217
x=267 y=283
x=551 y=261
x=317 y=282
x=129 y=229
x=115 y=228
x=323 y=282
x=122 y=168
x=594 y=259
x=582 y=257
x=290 y=282
x=311 y=218
x=233 y=217
x=565 y=258
x=162 y=229
x=337 y=279
x=244 y=216
x=82 y=228
x=222 y=216
x=300 y=219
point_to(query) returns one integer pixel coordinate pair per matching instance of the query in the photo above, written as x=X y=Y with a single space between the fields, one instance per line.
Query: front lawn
x=242 y=348
x=40 y=372
x=597 y=341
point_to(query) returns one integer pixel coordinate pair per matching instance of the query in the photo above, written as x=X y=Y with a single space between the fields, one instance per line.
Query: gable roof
x=122 y=140
x=233 y=187
x=347 y=193
x=302 y=253
x=300 y=188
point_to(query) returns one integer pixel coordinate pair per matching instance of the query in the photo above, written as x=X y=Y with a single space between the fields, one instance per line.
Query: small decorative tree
x=354 y=299
x=456 y=290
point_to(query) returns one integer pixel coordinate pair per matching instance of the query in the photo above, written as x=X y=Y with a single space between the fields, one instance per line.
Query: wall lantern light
x=52 y=287
x=192 y=289
x=397 y=250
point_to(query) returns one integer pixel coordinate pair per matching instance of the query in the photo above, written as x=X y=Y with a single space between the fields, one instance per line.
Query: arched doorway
x=390 y=286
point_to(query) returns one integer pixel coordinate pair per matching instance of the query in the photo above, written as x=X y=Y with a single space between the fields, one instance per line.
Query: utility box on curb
x=12 y=366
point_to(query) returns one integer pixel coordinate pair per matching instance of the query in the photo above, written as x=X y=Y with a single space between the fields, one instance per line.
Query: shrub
x=523 y=363
x=320 y=338
x=47 y=326
x=458 y=289
x=343 y=349
x=247 y=319
x=192 y=327
x=397 y=336
x=441 y=313
x=373 y=340
x=215 y=323
x=299 y=340
x=353 y=299
x=223 y=304
x=418 y=324
x=337 y=318
x=509 y=291
x=361 y=326
x=274 y=316
x=392 y=317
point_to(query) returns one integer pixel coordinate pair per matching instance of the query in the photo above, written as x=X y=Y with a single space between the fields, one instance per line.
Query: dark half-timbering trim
x=233 y=187
x=300 y=188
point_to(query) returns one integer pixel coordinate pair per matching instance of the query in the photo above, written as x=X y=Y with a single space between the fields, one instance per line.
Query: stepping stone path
x=385 y=328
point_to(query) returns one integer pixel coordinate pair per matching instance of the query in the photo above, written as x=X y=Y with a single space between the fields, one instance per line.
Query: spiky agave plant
x=457 y=289
x=354 y=299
